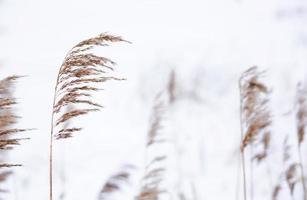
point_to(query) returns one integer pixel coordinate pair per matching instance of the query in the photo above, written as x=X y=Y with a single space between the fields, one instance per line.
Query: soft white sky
x=208 y=42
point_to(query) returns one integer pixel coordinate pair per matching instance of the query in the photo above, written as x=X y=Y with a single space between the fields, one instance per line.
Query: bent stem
x=51 y=144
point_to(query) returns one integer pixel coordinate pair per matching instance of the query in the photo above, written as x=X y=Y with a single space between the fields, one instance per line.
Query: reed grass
x=77 y=79
x=155 y=169
x=115 y=182
x=255 y=119
x=301 y=120
x=8 y=133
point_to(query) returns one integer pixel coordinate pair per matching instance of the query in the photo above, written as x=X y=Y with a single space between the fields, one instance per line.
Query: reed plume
x=78 y=76
x=115 y=182
x=172 y=87
x=173 y=97
x=255 y=117
x=292 y=175
x=289 y=173
x=276 y=192
x=8 y=119
x=301 y=122
x=154 y=170
x=301 y=115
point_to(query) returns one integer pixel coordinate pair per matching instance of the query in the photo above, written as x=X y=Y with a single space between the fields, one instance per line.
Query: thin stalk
x=302 y=172
x=238 y=182
x=252 y=174
x=242 y=151
x=51 y=144
x=244 y=174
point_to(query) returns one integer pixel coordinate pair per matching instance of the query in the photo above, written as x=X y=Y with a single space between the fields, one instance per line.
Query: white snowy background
x=209 y=43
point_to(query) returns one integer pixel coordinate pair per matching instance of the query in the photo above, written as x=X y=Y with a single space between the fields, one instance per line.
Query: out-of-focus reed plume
x=290 y=173
x=301 y=122
x=8 y=119
x=255 y=117
x=115 y=182
x=301 y=115
x=154 y=171
x=172 y=87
